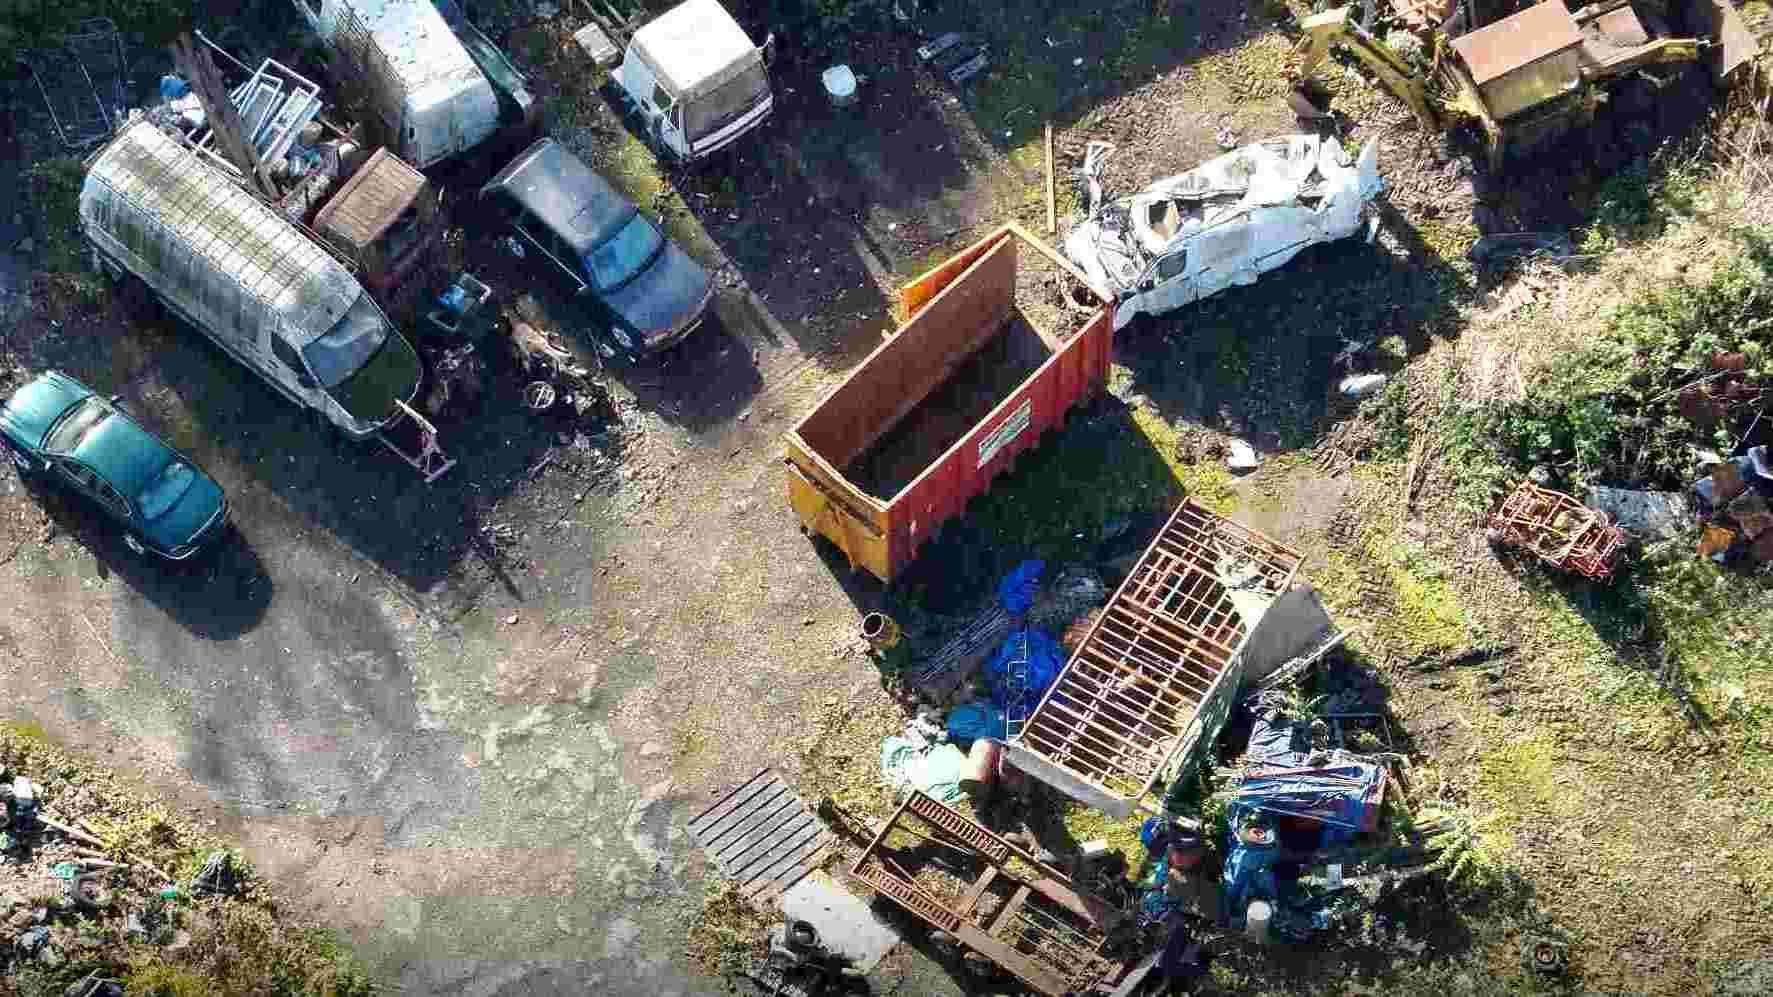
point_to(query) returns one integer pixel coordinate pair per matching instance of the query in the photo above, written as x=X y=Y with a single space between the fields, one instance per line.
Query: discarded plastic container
x=880 y=631
x=840 y=85
x=1256 y=918
x=170 y=893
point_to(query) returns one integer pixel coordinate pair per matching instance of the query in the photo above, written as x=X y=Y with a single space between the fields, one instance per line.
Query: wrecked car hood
x=1230 y=218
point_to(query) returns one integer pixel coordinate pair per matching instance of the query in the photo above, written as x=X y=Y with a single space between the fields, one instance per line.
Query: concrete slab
x=845 y=924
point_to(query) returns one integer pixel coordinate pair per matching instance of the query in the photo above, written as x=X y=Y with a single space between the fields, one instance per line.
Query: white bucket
x=840 y=86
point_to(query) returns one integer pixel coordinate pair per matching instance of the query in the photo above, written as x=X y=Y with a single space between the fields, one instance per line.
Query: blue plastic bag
x=1016 y=592
x=971 y=721
x=173 y=87
x=1045 y=659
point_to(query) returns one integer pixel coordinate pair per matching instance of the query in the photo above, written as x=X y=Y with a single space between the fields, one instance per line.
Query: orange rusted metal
x=1559 y=530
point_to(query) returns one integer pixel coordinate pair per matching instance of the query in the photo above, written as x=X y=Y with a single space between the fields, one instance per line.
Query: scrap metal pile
x=1736 y=508
x=1558 y=530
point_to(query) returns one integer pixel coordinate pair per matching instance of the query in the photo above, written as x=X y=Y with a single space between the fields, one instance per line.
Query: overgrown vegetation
x=29 y=24
x=1613 y=410
x=239 y=945
x=53 y=188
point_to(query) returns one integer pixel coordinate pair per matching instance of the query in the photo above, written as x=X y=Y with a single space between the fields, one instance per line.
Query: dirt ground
x=466 y=722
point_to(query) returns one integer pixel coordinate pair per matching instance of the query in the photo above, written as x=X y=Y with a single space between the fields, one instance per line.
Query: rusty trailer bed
x=1150 y=686
x=1020 y=913
x=942 y=407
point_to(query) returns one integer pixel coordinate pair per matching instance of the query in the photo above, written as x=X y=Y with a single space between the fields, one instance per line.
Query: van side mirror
x=768 y=49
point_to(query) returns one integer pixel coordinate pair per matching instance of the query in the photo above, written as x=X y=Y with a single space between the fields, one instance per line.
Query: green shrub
x=1611 y=411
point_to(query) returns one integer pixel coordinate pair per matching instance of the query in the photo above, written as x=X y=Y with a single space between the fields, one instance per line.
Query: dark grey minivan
x=601 y=247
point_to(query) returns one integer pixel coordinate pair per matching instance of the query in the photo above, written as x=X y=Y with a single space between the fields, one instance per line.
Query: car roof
x=563 y=193
x=124 y=454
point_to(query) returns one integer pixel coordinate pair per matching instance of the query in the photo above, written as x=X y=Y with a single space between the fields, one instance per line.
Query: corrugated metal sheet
x=205 y=242
x=1518 y=40
x=762 y=835
x=371 y=200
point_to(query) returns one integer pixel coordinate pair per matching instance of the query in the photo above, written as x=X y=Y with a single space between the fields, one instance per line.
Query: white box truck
x=695 y=79
x=428 y=96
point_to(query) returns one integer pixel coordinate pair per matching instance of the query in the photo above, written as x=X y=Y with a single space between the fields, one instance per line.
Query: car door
x=1280 y=231
x=284 y=367
x=81 y=479
x=1168 y=283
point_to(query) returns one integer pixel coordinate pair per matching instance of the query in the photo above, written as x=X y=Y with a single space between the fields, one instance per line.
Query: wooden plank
x=973 y=895
x=1052 y=203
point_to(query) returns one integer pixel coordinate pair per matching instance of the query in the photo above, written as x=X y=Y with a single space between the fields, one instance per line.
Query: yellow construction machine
x=1533 y=75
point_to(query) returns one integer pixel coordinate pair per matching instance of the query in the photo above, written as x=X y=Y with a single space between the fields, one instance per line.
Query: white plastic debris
x=1362 y=385
x=1241 y=456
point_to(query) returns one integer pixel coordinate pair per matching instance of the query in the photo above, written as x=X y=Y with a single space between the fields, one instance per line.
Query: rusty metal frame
x=1155 y=675
x=1528 y=519
x=1044 y=910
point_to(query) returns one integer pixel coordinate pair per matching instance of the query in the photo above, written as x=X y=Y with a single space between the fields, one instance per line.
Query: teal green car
x=61 y=429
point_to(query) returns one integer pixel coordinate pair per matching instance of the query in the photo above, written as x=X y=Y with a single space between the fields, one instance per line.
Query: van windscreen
x=708 y=114
x=338 y=352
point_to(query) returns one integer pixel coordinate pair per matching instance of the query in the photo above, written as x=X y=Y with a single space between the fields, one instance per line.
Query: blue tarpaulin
x=1045 y=659
x=1343 y=796
x=1017 y=589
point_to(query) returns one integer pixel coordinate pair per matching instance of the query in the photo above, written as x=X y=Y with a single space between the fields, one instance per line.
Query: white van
x=246 y=278
x=430 y=98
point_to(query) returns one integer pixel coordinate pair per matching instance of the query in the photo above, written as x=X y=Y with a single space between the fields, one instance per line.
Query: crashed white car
x=1227 y=221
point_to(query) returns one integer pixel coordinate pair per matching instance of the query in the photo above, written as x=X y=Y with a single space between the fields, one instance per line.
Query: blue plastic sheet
x=1017 y=590
x=971 y=721
x=1045 y=659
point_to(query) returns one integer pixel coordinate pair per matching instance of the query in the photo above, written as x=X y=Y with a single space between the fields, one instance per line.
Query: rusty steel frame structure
x=1048 y=934
x=1532 y=518
x=1152 y=683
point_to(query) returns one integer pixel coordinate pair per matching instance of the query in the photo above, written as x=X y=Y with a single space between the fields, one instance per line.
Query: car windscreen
x=617 y=259
x=165 y=489
x=74 y=425
x=338 y=353
x=711 y=112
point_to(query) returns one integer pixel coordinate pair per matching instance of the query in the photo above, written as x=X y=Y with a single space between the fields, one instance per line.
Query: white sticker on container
x=1006 y=431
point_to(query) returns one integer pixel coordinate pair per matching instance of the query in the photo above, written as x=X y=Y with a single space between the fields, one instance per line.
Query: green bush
x=28 y=24
x=1610 y=411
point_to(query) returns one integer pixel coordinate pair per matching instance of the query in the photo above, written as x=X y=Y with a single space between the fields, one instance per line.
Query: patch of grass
x=1639 y=202
x=1206 y=481
x=1088 y=824
x=1253 y=71
x=52 y=188
x=728 y=933
x=25 y=730
x=1428 y=615
x=154 y=977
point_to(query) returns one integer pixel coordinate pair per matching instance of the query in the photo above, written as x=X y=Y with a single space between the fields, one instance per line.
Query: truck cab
x=695 y=79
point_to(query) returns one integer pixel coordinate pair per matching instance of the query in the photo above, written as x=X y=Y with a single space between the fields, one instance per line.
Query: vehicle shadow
x=699 y=384
x=1261 y=362
x=219 y=594
x=188 y=391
